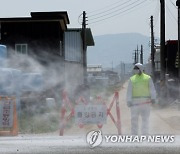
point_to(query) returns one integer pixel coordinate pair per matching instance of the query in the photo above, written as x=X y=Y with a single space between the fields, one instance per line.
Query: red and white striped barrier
x=66 y=103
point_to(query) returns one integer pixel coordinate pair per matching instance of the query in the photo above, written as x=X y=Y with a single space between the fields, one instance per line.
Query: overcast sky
x=121 y=16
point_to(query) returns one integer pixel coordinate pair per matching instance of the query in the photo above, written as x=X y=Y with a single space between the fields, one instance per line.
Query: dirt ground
x=162 y=120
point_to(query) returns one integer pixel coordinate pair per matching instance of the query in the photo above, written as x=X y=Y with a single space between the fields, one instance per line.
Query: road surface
x=75 y=145
x=163 y=121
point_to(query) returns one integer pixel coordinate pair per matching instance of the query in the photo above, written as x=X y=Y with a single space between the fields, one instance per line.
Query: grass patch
x=38 y=122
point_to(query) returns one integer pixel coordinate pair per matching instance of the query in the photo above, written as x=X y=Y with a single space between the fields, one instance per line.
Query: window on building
x=21 y=48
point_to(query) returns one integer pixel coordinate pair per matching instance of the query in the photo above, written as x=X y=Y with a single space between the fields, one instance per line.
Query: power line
x=128 y=9
x=173 y=4
x=118 y=13
x=117 y=10
x=171 y=13
x=98 y=10
x=156 y=14
x=110 y=9
x=79 y=19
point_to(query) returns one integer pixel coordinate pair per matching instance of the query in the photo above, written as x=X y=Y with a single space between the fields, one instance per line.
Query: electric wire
x=156 y=14
x=173 y=4
x=114 y=11
x=98 y=10
x=117 y=14
x=171 y=13
x=110 y=9
x=156 y=19
x=79 y=19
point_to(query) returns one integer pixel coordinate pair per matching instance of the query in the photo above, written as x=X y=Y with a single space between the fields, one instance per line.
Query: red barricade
x=66 y=103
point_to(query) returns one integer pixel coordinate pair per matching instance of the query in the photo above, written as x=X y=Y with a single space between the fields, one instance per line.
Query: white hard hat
x=140 y=66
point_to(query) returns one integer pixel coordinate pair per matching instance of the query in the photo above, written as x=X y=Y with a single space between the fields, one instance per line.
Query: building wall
x=94 y=68
x=73 y=46
x=43 y=48
x=39 y=36
x=171 y=49
x=60 y=53
x=73 y=60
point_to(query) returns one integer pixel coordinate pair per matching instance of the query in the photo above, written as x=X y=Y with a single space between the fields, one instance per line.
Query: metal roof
x=56 y=14
x=61 y=17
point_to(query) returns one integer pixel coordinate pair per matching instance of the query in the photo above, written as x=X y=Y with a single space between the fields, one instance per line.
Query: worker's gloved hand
x=129 y=103
x=153 y=101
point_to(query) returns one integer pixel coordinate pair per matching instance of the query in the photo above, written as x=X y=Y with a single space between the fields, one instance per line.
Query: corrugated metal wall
x=73 y=46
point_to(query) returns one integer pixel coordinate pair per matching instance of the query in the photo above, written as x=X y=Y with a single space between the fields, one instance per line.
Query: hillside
x=116 y=48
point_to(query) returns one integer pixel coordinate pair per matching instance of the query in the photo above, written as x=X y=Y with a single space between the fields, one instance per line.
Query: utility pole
x=152 y=47
x=178 y=5
x=141 y=55
x=84 y=47
x=112 y=66
x=162 y=37
x=137 y=55
x=136 y=58
x=123 y=70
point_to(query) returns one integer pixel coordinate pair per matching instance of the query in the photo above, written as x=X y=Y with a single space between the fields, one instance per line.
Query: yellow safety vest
x=140 y=86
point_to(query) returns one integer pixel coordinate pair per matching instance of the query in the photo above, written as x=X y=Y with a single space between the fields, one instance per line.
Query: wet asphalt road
x=78 y=145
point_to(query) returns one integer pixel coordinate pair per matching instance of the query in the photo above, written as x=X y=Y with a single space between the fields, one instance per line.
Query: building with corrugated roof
x=44 y=36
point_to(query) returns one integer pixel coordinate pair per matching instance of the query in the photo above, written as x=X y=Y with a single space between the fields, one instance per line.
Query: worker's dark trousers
x=142 y=111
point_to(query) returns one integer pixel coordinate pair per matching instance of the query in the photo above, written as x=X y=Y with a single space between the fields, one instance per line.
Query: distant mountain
x=111 y=49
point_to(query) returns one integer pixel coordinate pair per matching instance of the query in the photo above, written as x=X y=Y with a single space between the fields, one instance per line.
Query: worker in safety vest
x=140 y=95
